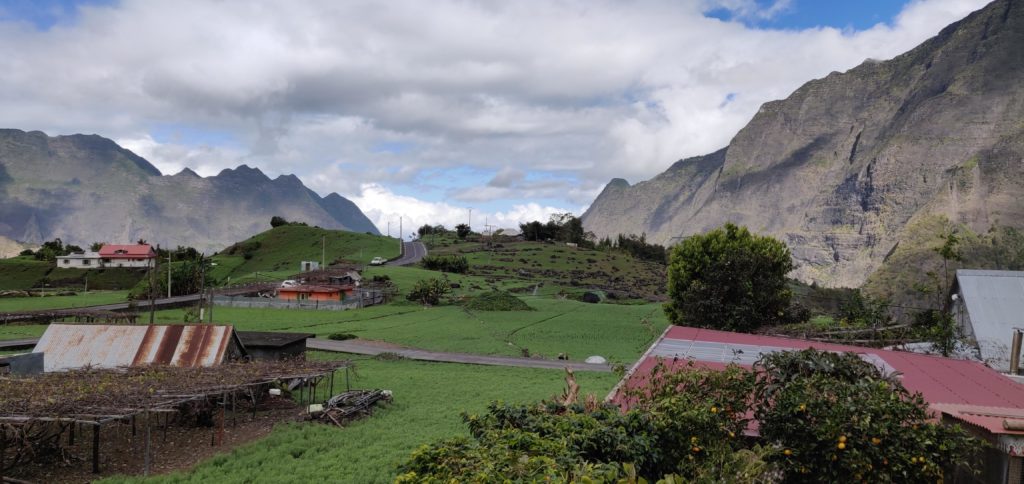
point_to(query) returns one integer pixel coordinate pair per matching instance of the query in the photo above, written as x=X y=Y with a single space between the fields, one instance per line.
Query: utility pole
x=323 y=252
x=154 y=265
x=169 y=253
x=400 y=234
x=470 y=219
x=389 y=228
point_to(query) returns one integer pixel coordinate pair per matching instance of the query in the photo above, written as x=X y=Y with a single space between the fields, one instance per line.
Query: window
x=66 y=261
x=85 y=262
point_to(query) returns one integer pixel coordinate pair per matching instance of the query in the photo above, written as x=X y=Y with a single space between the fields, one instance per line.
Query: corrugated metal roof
x=326 y=289
x=69 y=346
x=995 y=303
x=121 y=251
x=940 y=380
x=988 y=418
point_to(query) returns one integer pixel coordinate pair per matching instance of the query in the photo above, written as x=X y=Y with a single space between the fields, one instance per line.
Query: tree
x=277 y=221
x=837 y=418
x=462 y=231
x=96 y=246
x=729 y=279
x=429 y=291
x=425 y=230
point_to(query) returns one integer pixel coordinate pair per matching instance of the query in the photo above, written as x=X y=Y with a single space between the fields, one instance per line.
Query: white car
x=378 y=261
x=289 y=283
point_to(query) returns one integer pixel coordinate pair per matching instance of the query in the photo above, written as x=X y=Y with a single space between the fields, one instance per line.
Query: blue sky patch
x=45 y=14
x=804 y=14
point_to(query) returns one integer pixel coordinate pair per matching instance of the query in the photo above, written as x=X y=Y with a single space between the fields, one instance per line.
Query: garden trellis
x=37 y=412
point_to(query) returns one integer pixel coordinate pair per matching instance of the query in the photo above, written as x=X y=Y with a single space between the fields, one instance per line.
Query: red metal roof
x=136 y=251
x=939 y=380
x=70 y=346
x=988 y=418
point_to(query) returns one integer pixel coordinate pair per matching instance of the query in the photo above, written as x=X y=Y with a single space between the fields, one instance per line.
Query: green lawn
x=22 y=273
x=92 y=298
x=428 y=398
x=617 y=332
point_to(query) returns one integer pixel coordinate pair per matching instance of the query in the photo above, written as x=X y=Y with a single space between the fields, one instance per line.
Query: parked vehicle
x=289 y=283
x=378 y=261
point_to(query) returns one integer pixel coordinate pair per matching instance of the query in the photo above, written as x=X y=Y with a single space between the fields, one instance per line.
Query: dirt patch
x=177 y=444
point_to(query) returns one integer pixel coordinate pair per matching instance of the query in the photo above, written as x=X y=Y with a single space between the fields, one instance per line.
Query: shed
x=309 y=265
x=268 y=345
x=987 y=306
x=72 y=346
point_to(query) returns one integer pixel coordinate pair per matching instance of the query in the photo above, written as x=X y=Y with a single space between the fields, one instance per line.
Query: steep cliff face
x=840 y=168
x=87 y=188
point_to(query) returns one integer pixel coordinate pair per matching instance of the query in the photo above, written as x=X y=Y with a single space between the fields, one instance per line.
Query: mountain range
x=86 y=188
x=844 y=167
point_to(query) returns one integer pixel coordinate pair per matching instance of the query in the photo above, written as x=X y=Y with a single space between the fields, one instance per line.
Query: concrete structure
x=72 y=346
x=137 y=255
x=80 y=260
x=309 y=265
x=264 y=345
x=966 y=391
x=23 y=364
x=987 y=306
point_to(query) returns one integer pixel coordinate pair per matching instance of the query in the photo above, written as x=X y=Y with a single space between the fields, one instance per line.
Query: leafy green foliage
x=53 y=249
x=562 y=227
x=823 y=417
x=497 y=301
x=637 y=246
x=429 y=291
x=446 y=263
x=462 y=231
x=835 y=417
x=729 y=279
x=341 y=336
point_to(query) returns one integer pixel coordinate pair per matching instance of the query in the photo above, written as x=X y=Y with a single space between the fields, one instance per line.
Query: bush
x=497 y=301
x=341 y=336
x=429 y=291
x=729 y=279
x=823 y=417
x=455 y=264
x=835 y=416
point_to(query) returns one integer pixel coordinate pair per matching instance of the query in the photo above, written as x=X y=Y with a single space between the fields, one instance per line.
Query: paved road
x=414 y=251
x=18 y=344
x=365 y=349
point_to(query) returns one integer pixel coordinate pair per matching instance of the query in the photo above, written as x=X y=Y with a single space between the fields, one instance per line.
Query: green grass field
x=617 y=332
x=22 y=273
x=277 y=252
x=91 y=298
x=428 y=398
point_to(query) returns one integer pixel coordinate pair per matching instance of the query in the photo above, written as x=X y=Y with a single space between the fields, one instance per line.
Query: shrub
x=729 y=279
x=341 y=336
x=497 y=301
x=429 y=291
x=455 y=264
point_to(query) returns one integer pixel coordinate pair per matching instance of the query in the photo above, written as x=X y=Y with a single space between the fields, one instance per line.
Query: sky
x=427 y=110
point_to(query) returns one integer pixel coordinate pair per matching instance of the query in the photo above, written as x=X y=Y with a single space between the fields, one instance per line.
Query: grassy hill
x=277 y=252
x=22 y=273
x=555 y=267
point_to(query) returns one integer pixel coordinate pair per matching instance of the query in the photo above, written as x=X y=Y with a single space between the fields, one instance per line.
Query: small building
x=73 y=346
x=350 y=278
x=309 y=265
x=80 y=260
x=310 y=293
x=988 y=306
x=266 y=345
x=137 y=255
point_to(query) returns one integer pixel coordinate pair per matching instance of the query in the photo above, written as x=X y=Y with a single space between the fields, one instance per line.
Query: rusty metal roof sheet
x=68 y=346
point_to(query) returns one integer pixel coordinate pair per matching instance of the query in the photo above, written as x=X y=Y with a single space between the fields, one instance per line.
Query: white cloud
x=388 y=210
x=352 y=94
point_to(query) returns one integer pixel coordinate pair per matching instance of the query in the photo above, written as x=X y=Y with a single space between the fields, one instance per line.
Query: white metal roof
x=995 y=303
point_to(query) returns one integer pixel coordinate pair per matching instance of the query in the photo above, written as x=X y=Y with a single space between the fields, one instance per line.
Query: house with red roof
x=980 y=399
x=135 y=255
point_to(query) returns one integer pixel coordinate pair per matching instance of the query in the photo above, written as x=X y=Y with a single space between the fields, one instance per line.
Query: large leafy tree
x=729 y=279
